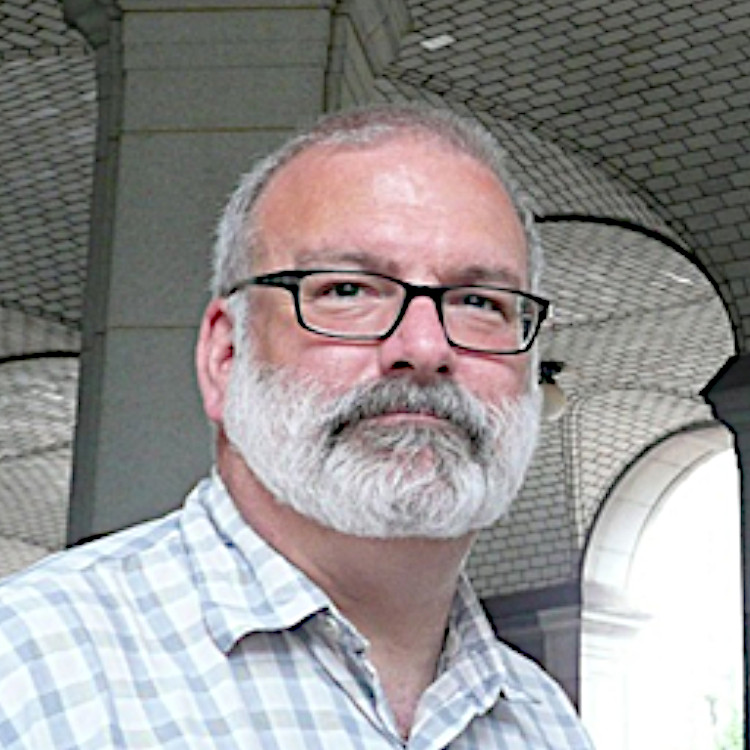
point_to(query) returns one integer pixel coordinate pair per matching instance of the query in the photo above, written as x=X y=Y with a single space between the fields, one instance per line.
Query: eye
x=343 y=289
x=491 y=303
x=481 y=301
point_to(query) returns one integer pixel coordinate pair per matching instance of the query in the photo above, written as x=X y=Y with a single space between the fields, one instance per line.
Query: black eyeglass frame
x=291 y=280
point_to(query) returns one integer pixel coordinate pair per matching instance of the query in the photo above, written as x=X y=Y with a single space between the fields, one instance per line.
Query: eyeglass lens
x=366 y=305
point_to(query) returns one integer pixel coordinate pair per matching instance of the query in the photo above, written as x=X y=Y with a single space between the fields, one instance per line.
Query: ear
x=214 y=357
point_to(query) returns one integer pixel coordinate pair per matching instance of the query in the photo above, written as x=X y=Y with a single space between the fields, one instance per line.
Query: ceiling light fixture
x=678 y=279
x=432 y=44
x=554 y=401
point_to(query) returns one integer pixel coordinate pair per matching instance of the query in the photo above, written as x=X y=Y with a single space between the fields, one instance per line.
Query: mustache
x=444 y=400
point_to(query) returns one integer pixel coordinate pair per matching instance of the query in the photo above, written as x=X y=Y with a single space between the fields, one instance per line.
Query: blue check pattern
x=190 y=633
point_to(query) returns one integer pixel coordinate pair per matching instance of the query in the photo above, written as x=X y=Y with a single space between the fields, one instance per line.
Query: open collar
x=244 y=585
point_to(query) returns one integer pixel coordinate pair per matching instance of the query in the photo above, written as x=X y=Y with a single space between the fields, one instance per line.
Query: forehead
x=401 y=200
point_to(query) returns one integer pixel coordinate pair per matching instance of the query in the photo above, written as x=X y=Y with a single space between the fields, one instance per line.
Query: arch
x=609 y=621
x=38 y=396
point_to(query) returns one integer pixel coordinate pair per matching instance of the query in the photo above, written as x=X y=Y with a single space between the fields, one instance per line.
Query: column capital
x=236 y=5
x=93 y=18
x=728 y=393
x=366 y=38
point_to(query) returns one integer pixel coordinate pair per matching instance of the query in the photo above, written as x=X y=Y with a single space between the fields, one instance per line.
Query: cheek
x=497 y=379
x=339 y=365
x=274 y=330
x=279 y=340
x=284 y=343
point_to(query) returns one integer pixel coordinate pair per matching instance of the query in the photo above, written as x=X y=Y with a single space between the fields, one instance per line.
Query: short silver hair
x=237 y=232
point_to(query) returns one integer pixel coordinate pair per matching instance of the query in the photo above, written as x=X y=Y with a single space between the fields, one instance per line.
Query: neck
x=397 y=592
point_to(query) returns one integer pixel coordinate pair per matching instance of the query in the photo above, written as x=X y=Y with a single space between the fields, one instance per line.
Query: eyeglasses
x=363 y=306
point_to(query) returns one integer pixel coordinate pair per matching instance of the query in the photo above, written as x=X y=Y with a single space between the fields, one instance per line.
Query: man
x=366 y=362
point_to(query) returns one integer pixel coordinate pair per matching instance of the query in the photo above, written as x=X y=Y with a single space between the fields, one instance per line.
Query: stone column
x=728 y=394
x=190 y=92
x=561 y=627
x=609 y=628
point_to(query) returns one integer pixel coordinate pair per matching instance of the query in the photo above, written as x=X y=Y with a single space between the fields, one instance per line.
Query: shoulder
x=540 y=703
x=63 y=623
x=70 y=586
x=526 y=676
x=79 y=568
x=68 y=598
x=524 y=694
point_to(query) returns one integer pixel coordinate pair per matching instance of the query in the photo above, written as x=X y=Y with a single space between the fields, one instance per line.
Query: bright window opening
x=684 y=682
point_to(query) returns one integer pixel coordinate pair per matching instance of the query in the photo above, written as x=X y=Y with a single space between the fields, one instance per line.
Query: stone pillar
x=609 y=629
x=190 y=92
x=561 y=627
x=728 y=394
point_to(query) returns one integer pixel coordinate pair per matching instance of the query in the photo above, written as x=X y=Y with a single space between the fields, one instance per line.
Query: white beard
x=324 y=456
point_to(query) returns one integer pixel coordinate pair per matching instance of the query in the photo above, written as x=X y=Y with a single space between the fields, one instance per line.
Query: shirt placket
x=342 y=654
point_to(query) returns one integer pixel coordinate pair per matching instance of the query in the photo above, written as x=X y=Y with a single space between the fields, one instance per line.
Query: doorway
x=661 y=650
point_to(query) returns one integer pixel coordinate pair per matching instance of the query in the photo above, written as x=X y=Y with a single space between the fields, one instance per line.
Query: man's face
x=403 y=437
x=407 y=208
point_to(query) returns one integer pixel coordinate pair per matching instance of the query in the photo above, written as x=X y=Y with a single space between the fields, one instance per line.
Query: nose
x=418 y=347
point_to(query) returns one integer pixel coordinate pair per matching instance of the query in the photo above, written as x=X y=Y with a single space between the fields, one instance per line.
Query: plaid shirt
x=190 y=633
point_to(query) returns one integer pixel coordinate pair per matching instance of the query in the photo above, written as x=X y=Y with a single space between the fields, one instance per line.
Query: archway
x=685 y=674
x=617 y=623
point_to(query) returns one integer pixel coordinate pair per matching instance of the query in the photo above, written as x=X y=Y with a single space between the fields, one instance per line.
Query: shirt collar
x=244 y=585
x=472 y=644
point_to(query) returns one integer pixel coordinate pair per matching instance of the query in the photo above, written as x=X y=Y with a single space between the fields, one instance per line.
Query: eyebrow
x=359 y=259
x=490 y=275
x=368 y=261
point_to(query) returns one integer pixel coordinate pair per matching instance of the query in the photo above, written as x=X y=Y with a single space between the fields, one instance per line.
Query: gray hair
x=237 y=232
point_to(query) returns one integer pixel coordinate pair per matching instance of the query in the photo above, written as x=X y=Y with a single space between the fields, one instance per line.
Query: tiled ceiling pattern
x=47 y=123
x=633 y=113
x=37 y=401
